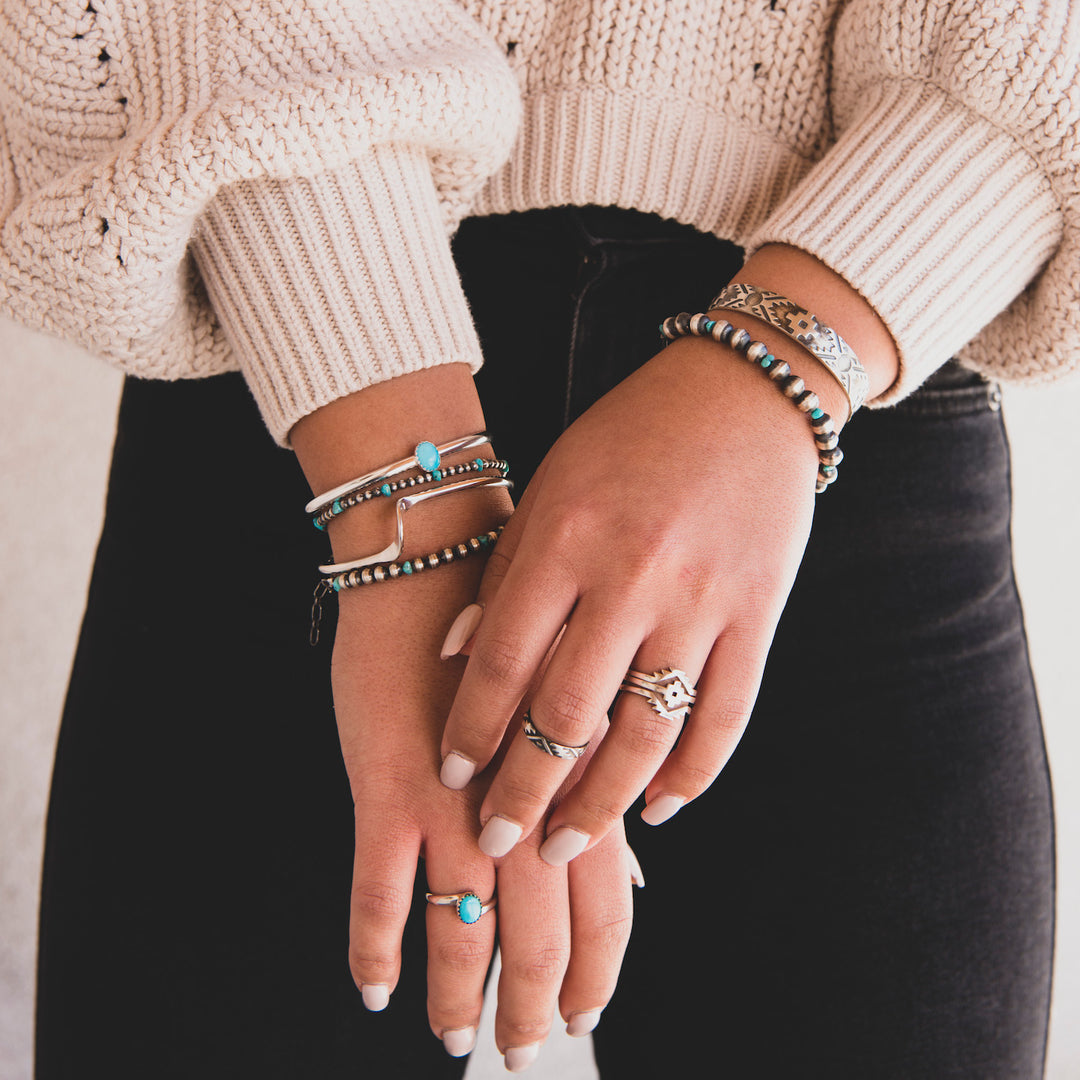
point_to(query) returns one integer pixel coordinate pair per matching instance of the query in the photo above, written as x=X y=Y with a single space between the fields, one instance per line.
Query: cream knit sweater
x=303 y=163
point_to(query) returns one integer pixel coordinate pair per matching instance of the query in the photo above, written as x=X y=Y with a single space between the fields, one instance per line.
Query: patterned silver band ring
x=538 y=739
x=670 y=693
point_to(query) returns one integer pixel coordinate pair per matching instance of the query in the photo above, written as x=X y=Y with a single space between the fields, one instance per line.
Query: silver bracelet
x=395 y=549
x=799 y=325
x=426 y=456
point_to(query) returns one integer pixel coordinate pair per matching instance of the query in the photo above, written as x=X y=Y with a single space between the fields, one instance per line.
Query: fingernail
x=376 y=996
x=499 y=836
x=461 y=629
x=637 y=875
x=456 y=771
x=562 y=846
x=519 y=1058
x=582 y=1023
x=661 y=808
x=460 y=1041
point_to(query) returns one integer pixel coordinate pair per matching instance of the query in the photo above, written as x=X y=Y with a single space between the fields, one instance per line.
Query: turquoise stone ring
x=427 y=456
x=468 y=905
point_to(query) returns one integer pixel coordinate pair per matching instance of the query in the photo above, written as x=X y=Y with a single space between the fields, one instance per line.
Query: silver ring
x=670 y=693
x=553 y=748
x=468 y=905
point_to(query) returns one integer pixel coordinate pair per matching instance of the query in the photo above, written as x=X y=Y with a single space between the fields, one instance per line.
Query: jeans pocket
x=952 y=390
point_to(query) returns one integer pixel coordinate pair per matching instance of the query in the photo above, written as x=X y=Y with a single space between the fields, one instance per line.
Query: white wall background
x=57 y=408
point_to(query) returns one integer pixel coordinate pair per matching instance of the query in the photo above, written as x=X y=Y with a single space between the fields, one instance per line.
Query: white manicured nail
x=456 y=771
x=563 y=845
x=460 y=1041
x=499 y=836
x=519 y=1058
x=376 y=996
x=583 y=1022
x=637 y=875
x=461 y=629
x=662 y=808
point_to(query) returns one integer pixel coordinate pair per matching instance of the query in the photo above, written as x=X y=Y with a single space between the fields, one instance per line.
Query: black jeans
x=866 y=892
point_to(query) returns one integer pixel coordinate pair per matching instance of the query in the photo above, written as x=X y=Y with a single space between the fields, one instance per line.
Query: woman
x=872 y=873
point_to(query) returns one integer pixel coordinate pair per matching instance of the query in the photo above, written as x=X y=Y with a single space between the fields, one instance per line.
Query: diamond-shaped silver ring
x=670 y=693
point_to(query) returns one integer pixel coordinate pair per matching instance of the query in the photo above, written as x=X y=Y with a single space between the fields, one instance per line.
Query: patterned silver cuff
x=799 y=325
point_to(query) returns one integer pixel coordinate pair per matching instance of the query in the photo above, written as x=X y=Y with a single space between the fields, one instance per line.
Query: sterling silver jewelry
x=799 y=325
x=425 y=457
x=670 y=693
x=468 y=905
x=393 y=552
x=555 y=749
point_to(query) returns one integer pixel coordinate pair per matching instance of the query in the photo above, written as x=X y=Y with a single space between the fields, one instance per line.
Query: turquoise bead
x=427 y=456
x=708 y=327
x=407 y=568
x=817 y=414
x=336 y=508
x=385 y=489
x=469 y=908
x=318 y=524
x=437 y=474
x=768 y=360
x=337 y=584
x=478 y=462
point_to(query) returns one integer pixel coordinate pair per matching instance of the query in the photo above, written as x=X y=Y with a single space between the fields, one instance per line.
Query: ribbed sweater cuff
x=938 y=218
x=325 y=286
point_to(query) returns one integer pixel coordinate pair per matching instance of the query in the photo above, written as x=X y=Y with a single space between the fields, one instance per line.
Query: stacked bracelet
x=390 y=487
x=405 y=503
x=808 y=330
x=821 y=423
x=391 y=571
x=427 y=457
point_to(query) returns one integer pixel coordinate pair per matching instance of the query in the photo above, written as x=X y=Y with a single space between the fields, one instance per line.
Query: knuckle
x=462 y=956
x=601 y=812
x=376 y=902
x=543 y=966
x=693 y=779
x=500 y=661
x=567 y=711
x=522 y=792
x=367 y=966
x=522 y=1032
x=610 y=932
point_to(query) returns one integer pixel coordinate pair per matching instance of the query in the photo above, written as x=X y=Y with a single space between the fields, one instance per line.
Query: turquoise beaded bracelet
x=392 y=571
x=389 y=487
x=792 y=386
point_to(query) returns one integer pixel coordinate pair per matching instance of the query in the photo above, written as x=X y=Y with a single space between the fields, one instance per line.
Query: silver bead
x=779 y=370
x=740 y=340
x=794 y=389
x=720 y=329
x=379 y=573
x=462 y=551
x=365 y=575
x=809 y=403
x=697 y=324
x=829 y=441
x=757 y=351
x=394 y=570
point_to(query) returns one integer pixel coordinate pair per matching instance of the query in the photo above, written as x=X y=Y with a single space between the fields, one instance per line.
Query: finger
x=459 y=950
x=635 y=747
x=534 y=941
x=567 y=708
x=726 y=693
x=462 y=632
x=601 y=914
x=514 y=637
x=384 y=868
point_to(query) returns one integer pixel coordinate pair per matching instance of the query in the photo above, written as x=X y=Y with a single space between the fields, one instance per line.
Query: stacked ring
x=670 y=693
x=468 y=905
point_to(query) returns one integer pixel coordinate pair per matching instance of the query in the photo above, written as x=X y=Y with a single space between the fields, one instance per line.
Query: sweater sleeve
x=189 y=188
x=951 y=197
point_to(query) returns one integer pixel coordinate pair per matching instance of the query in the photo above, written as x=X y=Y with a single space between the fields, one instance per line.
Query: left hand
x=664 y=529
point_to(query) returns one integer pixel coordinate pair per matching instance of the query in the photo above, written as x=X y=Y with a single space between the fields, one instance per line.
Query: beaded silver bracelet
x=391 y=487
x=792 y=386
x=427 y=457
x=392 y=571
x=808 y=330
x=405 y=503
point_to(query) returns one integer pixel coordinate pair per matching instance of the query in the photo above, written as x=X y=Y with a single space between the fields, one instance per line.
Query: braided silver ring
x=542 y=742
x=670 y=693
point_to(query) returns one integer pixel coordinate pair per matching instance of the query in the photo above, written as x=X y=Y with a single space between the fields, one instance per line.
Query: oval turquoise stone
x=468 y=908
x=427 y=456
